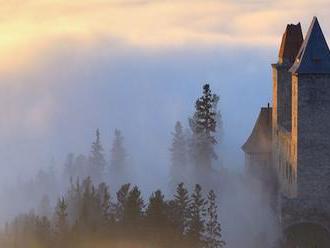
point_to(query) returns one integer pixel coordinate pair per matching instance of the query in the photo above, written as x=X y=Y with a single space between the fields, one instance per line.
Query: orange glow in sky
x=30 y=26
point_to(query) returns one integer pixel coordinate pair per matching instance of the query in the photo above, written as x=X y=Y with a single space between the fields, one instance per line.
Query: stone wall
x=283 y=163
x=282 y=96
x=311 y=136
x=281 y=129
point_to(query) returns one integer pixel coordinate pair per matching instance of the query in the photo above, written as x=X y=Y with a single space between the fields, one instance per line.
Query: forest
x=99 y=206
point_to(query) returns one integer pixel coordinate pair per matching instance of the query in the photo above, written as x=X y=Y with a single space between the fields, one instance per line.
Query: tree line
x=87 y=214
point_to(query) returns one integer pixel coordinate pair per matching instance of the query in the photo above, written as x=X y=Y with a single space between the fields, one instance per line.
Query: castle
x=291 y=139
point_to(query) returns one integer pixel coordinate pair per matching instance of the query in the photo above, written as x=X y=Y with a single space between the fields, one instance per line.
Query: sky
x=69 y=67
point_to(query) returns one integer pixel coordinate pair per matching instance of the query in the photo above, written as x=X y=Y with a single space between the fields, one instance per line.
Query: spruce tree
x=104 y=198
x=61 y=218
x=156 y=219
x=178 y=156
x=213 y=227
x=156 y=210
x=133 y=211
x=181 y=205
x=196 y=227
x=122 y=196
x=97 y=160
x=91 y=212
x=203 y=127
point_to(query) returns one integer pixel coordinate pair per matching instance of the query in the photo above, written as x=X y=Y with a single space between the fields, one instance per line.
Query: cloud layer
x=28 y=27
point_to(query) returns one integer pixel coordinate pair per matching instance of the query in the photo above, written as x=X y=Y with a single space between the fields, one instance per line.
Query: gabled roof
x=291 y=43
x=314 y=54
x=260 y=140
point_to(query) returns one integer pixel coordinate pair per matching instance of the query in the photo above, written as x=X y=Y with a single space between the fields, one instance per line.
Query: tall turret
x=281 y=133
x=311 y=116
x=291 y=42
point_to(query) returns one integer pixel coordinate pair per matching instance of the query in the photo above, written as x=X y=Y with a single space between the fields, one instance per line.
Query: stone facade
x=311 y=134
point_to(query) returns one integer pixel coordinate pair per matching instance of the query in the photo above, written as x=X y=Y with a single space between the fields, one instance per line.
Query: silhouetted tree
x=157 y=223
x=74 y=196
x=97 y=160
x=178 y=156
x=196 y=226
x=122 y=197
x=213 y=227
x=203 y=127
x=133 y=211
x=105 y=202
x=91 y=213
x=181 y=201
x=61 y=225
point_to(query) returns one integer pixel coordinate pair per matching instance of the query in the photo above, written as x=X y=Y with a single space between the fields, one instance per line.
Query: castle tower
x=305 y=213
x=291 y=42
x=281 y=134
x=311 y=118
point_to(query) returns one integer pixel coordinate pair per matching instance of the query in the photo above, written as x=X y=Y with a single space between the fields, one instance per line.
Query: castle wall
x=281 y=129
x=311 y=136
x=283 y=162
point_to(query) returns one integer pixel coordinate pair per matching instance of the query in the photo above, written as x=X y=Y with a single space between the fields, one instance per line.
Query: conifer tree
x=122 y=196
x=90 y=212
x=156 y=210
x=61 y=218
x=181 y=204
x=73 y=197
x=213 y=227
x=203 y=127
x=196 y=226
x=105 y=202
x=133 y=210
x=97 y=160
x=178 y=156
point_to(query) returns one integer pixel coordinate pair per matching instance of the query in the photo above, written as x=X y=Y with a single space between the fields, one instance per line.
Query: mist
x=53 y=107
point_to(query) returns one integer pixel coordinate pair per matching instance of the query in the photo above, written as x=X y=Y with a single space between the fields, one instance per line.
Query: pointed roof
x=314 y=54
x=291 y=43
x=260 y=140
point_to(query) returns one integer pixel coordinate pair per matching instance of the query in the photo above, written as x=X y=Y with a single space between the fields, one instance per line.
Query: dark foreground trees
x=88 y=216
